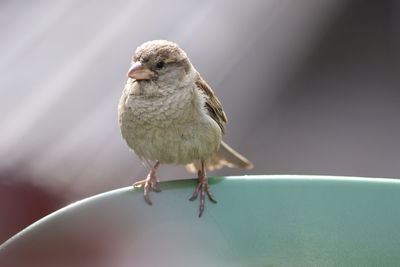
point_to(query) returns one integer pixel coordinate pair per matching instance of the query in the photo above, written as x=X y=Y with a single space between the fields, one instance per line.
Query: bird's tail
x=225 y=156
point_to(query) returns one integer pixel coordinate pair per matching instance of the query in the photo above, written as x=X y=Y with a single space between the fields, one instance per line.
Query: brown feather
x=232 y=158
x=213 y=105
x=225 y=156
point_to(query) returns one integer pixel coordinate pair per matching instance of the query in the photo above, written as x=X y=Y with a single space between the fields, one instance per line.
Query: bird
x=168 y=114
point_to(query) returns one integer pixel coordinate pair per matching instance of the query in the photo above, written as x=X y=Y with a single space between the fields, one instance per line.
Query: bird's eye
x=160 y=64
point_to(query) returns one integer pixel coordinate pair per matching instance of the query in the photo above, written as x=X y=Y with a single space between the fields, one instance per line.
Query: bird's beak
x=139 y=71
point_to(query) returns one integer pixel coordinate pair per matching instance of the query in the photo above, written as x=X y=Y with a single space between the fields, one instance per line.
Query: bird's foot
x=149 y=184
x=202 y=188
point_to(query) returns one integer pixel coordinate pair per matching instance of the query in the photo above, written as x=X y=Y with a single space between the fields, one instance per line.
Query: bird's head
x=161 y=62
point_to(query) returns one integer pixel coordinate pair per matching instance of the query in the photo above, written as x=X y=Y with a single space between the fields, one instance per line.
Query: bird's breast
x=173 y=129
x=161 y=111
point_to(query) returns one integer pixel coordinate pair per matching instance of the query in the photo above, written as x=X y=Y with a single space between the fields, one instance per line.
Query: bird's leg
x=149 y=183
x=202 y=188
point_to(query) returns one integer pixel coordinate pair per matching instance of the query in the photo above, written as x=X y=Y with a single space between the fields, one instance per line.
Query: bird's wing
x=213 y=105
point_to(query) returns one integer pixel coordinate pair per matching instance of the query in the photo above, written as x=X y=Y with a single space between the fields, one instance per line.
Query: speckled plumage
x=172 y=127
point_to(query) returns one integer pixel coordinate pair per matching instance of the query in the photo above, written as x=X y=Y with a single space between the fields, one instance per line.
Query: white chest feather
x=173 y=128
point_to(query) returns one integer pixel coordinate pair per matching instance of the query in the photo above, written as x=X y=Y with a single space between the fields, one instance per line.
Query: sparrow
x=169 y=115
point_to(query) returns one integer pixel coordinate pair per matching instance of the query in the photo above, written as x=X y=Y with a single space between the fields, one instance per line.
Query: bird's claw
x=148 y=184
x=202 y=188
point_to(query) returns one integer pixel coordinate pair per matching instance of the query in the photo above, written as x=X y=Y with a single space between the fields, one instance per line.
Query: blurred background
x=309 y=87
